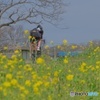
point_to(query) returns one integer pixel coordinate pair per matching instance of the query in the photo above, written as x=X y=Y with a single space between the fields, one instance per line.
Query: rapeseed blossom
x=30 y=37
x=28 y=83
x=58 y=46
x=33 y=81
x=5 y=48
x=56 y=73
x=4 y=57
x=16 y=51
x=74 y=46
x=14 y=82
x=97 y=67
x=9 y=76
x=36 y=90
x=1 y=88
x=65 y=60
x=6 y=84
x=39 y=60
x=69 y=77
x=49 y=97
x=26 y=92
x=83 y=67
x=14 y=56
x=26 y=32
x=55 y=80
x=46 y=47
x=97 y=62
x=90 y=43
x=46 y=84
x=65 y=42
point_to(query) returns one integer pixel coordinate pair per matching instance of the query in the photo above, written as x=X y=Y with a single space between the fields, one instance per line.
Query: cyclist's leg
x=32 y=47
x=39 y=44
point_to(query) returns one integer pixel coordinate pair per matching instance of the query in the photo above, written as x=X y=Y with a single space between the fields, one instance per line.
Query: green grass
x=47 y=79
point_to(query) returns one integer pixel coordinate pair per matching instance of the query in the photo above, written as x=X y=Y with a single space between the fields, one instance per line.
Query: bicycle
x=35 y=53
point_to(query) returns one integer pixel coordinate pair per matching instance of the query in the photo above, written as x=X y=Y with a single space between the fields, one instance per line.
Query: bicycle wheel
x=34 y=56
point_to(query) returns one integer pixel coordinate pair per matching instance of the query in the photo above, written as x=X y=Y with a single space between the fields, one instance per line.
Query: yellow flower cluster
x=48 y=79
x=74 y=46
x=69 y=77
x=83 y=67
x=26 y=32
x=40 y=60
x=65 y=60
x=65 y=42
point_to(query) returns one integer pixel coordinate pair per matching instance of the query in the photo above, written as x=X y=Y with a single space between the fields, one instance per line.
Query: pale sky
x=82 y=18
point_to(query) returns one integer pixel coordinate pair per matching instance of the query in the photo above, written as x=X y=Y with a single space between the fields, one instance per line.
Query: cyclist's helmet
x=39 y=28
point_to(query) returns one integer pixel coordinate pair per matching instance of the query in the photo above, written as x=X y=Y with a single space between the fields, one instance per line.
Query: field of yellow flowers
x=50 y=79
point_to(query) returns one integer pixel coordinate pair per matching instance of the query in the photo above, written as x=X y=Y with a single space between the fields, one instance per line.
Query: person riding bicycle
x=36 y=35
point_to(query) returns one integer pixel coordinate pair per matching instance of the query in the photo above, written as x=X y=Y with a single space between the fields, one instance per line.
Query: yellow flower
x=65 y=42
x=82 y=69
x=56 y=73
x=97 y=49
x=13 y=56
x=69 y=71
x=26 y=32
x=58 y=46
x=30 y=37
x=4 y=92
x=68 y=85
x=38 y=83
x=46 y=47
x=5 y=66
x=69 y=77
x=34 y=76
x=90 y=43
x=19 y=73
x=16 y=51
x=1 y=88
x=55 y=80
x=9 y=76
x=33 y=38
x=14 y=82
x=98 y=62
x=23 y=96
x=48 y=74
x=39 y=60
x=6 y=84
x=4 y=57
x=97 y=67
x=74 y=46
x=22 y=88
x=27 y=82
x=46 y=84
x=65 y=61
x=92 y=68
x=26 y=92
x=49 y=97
x=36 y=90
x=45 y=77
x=5 y=48
x=83 y=64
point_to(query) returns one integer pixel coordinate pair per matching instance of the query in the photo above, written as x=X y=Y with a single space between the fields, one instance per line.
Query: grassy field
x=50 y=79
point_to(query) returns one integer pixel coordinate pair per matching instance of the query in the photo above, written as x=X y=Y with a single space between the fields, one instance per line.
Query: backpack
x=35 y=33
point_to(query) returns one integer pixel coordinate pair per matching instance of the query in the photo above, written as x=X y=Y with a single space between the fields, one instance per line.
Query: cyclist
x=36 y=34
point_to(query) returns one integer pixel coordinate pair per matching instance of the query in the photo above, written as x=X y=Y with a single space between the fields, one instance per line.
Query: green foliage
x=50 y=79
